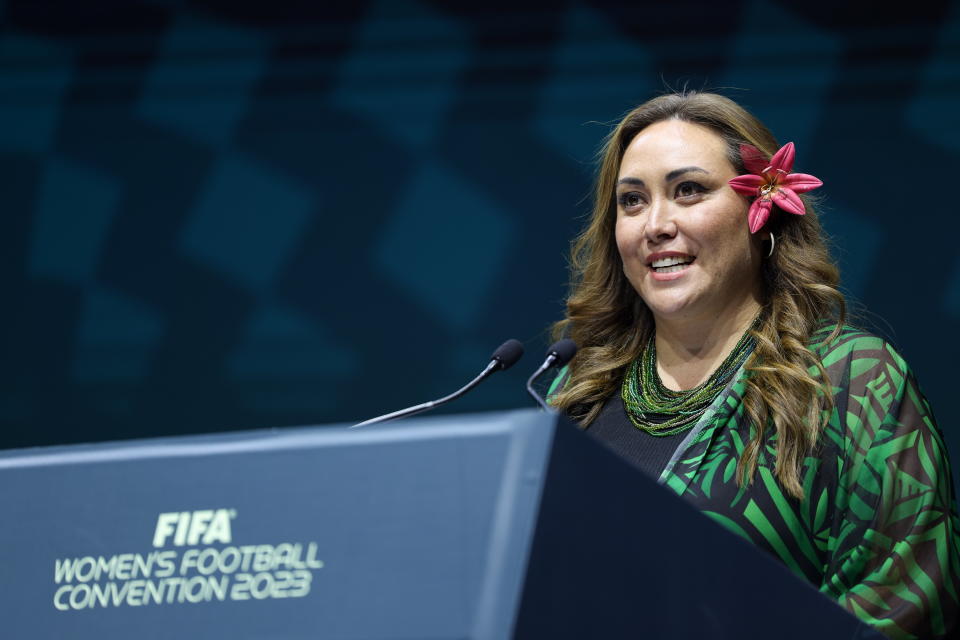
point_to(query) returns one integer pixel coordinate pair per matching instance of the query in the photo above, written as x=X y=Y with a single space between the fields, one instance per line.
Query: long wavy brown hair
x=611 y=323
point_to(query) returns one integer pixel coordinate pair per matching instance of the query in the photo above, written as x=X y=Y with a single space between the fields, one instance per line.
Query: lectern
x=498 y=525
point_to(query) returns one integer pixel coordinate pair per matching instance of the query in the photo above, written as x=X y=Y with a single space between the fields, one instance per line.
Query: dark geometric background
x=225 y=215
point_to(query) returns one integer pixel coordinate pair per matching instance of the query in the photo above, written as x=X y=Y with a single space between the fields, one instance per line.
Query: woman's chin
x=671 y=309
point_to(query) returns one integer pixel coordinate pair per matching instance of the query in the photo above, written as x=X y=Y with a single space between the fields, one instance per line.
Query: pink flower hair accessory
x=771 y=183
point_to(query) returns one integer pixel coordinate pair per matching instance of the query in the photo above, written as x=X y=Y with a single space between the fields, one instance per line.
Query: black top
x=613 y=428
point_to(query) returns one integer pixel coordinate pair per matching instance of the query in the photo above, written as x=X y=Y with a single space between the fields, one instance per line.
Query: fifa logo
x=193 y=527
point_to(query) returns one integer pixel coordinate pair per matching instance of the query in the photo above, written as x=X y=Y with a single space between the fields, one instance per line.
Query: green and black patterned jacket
x=877 y=529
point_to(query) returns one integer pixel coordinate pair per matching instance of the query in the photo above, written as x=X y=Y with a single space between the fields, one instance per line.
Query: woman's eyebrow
x=632 y=181
x=673 y=175
x=676 y=173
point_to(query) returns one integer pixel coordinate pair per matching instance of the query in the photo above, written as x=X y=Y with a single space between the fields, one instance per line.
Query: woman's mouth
x=672 y=264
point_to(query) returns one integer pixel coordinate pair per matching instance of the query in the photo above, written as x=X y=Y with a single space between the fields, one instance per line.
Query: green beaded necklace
x=663 y=412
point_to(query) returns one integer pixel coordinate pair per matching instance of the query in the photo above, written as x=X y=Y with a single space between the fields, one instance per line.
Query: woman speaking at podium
x=714 y=354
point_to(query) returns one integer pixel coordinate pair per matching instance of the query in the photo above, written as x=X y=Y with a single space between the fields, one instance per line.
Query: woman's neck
x=689 y=352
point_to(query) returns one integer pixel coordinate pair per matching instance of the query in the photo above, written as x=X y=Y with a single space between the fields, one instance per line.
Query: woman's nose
x=660 y=221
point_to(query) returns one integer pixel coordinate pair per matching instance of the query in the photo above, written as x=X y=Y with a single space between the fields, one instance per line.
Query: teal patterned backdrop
x=227 y=215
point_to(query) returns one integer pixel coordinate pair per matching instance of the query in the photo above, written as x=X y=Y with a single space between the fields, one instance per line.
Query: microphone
x=558 y=355
x=504 y=357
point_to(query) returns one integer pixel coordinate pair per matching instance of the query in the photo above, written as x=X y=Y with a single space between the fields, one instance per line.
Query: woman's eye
x=687 y=189
x=631 y=200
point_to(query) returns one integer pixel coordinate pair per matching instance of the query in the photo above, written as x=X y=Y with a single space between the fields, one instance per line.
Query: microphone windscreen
x=508 y=353
x=563 y=350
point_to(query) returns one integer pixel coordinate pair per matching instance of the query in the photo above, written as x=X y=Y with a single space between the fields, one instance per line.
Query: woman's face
x=681 y=230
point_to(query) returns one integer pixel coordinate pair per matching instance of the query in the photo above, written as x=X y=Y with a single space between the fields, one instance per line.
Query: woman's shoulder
x=856 y=349
x=876 y=395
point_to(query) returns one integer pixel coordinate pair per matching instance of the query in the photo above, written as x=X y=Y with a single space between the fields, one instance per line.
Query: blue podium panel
x=417 y=529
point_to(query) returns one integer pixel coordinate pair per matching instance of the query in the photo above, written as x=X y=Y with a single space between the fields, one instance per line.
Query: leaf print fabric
x=877 y=529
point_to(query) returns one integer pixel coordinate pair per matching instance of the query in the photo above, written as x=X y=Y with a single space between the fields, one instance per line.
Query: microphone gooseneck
x=503 y=358
x=558 y=354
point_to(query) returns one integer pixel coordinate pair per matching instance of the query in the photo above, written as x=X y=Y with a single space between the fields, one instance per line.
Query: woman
x=714 y=355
